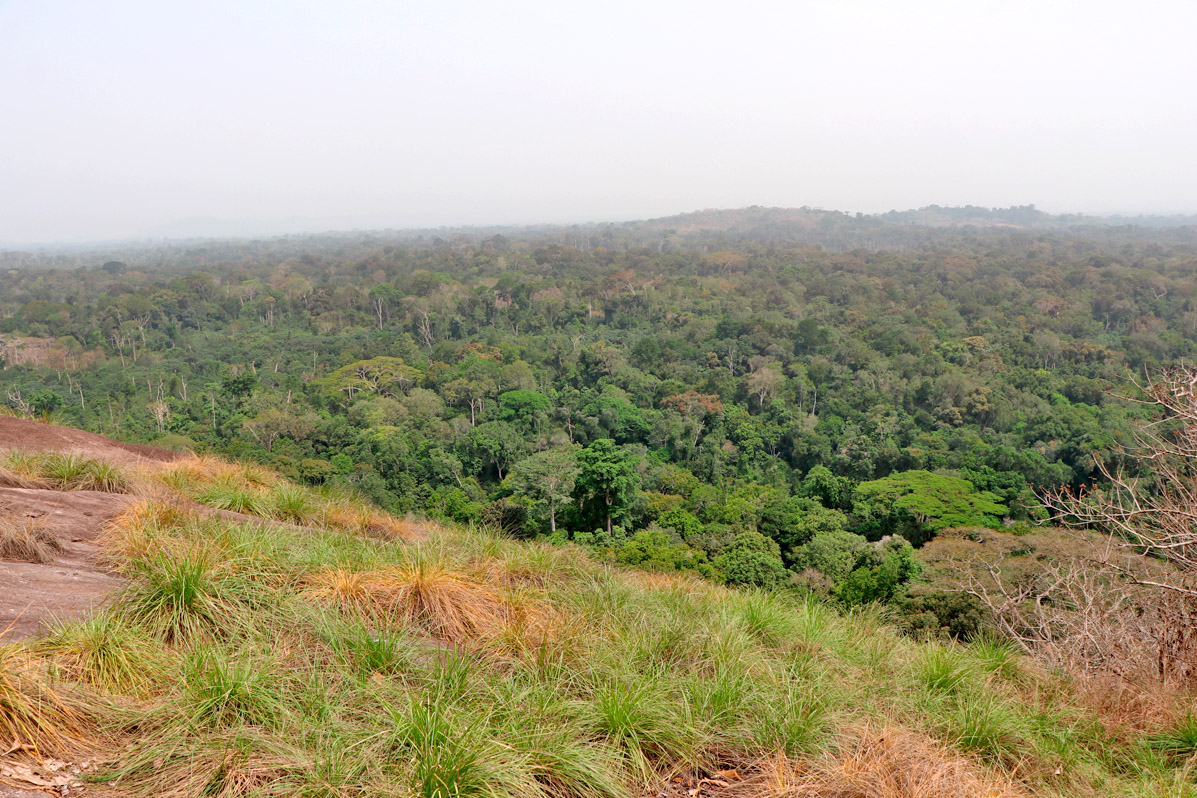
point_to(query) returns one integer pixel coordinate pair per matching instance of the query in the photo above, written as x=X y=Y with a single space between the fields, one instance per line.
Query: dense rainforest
x=762 y=396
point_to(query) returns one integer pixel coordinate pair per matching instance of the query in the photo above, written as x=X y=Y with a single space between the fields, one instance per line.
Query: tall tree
x=546 y=479
x=606 y=483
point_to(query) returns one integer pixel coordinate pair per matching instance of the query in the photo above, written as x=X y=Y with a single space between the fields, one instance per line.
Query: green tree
x=45 y=402
x=796 y=520
x=830 y=490
x=752 y=560
x=918 y=504
x=545 y=480
x=497 y=443
x=834 y=554
x=887 y=567
x=606 y=484
x=655 y=549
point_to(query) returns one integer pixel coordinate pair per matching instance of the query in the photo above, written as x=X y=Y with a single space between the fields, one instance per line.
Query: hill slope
x=305 y=645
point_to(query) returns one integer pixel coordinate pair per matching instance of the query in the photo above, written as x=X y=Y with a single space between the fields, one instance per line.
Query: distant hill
x=704 y=230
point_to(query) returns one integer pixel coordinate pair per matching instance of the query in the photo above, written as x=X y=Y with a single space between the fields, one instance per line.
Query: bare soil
x=20 y=433
x=75 y=583
x=70 y=585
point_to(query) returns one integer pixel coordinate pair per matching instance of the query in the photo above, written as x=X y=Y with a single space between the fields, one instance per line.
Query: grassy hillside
x=318 y=648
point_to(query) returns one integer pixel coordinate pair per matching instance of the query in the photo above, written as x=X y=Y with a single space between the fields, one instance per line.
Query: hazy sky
x=172 y=117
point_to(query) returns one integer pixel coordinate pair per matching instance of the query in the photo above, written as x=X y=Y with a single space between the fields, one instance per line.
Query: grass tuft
x=27 y=540
x=181 y=595
x=19 y=478
x=988 y=728
x=32 y=710
x=236 y=497
x=880 y=762
x=229 y=692
x=293 y=504
x=446 y=759
x=422 y=593
x=102 y=652
x=944 y=670
x=62 y=471
x=1178 y=741
x=639 y=720
x=997 y=657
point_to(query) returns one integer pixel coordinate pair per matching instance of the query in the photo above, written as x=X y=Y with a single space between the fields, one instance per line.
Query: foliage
x=546 y=481
x=749 y=380
x=270 y=659
x=605 y=484
x=795 y=521
x=752 y=559
x=656 y=550
x=923 y=503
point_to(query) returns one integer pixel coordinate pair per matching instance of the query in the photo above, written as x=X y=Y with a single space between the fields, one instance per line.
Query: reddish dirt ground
x=20 y=433
x=73 y=583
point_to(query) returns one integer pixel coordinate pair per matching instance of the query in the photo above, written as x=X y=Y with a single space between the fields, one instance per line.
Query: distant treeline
x=719 y=391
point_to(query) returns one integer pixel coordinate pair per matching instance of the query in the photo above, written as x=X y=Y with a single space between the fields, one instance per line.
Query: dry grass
x=191 y=473
x=1127 y=709
x=64 y=471
x=422 y=593
x=255 y=490
x=27 y=540
x=143 y=528
x=348 y=590
x=531 y=629
x=361 y=520
x=224 y=770
x=14 y=478
x=885 y=762
x=32 y=711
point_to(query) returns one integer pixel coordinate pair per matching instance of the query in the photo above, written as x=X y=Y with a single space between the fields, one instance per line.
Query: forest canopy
x=736 y=392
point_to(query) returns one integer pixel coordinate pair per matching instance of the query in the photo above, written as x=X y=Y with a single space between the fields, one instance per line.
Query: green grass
x=998 y=657
x=222 y=692
x=293 y=503
x=227 y=673
x=944 y=669
x=175 y=596
x=66 y=471
x=989 y=728
x=103 y=652
x=235 y=497
x=1177 y=741
x=447 y=758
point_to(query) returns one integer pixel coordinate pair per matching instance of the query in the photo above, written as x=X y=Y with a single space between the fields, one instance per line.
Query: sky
x=157 y=119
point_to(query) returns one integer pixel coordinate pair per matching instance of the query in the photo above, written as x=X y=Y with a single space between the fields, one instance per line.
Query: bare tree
x=1153 y=515
x=17 y=401
x=1045 y=593
x=160 y=410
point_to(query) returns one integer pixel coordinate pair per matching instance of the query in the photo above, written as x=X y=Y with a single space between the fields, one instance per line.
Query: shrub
x=752 y=559
x=654 y=549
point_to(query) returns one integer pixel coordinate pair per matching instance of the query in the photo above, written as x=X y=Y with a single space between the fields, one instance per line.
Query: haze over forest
x=133 y=119
x=550 y=400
